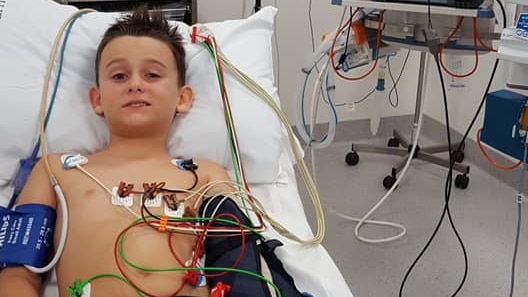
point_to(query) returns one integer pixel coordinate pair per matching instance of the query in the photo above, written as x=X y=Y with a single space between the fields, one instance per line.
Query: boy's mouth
x=136 y=103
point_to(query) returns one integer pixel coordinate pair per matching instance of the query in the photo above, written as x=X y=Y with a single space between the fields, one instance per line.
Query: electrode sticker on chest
x=70 y=161
x=26 y=235
x=127 y=201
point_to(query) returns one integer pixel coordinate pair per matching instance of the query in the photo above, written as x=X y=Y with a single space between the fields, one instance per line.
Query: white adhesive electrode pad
x=154 y=202
x=73 y=160
x=127 y=201
x=174 y=213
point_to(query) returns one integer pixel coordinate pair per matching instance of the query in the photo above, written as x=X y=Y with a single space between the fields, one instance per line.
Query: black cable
x=449 y=182
x=189 y=165
x=311 y=25
x=503 y=10
x=483 y=100
x=258 y=5
x=460 y=147
x=344 y=55
x=190 y=188
x=365 y=97
x=450 y=172
x=429 y=14
x=393 y=87
x=447 y=193
x=395 y=83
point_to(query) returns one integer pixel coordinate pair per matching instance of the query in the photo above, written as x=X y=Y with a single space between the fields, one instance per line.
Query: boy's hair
x=140 y=22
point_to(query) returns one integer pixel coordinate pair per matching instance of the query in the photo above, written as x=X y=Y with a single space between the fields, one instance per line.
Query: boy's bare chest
x=97 y=222
x=103 y=190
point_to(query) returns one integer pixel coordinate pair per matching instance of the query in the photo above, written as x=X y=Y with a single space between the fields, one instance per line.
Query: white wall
x=462 y=101
x=294 y=43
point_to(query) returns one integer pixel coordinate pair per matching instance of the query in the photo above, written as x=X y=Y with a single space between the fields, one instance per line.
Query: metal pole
x=419 y=93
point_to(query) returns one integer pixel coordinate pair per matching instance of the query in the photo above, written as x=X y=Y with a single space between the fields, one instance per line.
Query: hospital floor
x=484 y=214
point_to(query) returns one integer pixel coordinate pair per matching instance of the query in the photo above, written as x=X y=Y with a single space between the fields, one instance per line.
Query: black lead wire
x=448 y=187
x=449 y=178
x=144 y=198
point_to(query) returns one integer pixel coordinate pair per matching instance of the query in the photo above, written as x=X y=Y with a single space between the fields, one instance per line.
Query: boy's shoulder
x=51 y=160
x=209 y=166
x=212 y=172
x=206 y=163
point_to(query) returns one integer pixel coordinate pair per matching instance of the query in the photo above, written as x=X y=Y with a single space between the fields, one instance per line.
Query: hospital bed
x=34 y=78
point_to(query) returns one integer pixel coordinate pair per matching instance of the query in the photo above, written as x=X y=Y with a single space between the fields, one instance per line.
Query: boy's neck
x=137 y=148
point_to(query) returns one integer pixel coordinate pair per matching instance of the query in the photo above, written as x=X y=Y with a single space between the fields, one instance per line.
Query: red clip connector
x=193 y=34
x=192 y=278
x=220 y=290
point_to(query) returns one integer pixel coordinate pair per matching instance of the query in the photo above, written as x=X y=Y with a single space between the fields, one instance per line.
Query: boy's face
x=138 y=88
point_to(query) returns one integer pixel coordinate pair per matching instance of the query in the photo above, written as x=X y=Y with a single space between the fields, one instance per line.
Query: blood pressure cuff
x=256 y=256
x=26 y=235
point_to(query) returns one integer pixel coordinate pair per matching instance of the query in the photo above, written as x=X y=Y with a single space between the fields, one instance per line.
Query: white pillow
x=26 y=39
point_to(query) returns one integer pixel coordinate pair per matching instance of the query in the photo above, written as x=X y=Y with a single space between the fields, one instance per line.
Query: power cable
x=365 y=97
x=448 y=185
x=450 y=172
x=310 y=22
x=394 y=87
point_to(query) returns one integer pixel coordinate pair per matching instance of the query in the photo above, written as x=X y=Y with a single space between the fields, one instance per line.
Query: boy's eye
x=152 y=75
x=118 y=76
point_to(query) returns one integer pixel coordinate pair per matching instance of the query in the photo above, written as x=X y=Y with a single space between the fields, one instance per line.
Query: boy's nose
x=135 y=84
x=135 y=89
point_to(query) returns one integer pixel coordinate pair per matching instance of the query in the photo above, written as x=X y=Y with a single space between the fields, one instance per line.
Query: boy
x=140 y=74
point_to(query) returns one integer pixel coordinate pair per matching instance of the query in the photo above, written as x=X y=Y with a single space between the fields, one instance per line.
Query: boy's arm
x=218 y=175
x=19 y=281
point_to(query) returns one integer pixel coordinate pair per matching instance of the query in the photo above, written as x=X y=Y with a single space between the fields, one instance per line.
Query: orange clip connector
x=163 y=223
x=360 y=34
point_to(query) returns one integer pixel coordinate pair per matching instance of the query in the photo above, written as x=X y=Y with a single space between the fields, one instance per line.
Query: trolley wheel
x=461 y=181
x=352 y=158
x=458 y=156
x=389 y=181
x=393 y=142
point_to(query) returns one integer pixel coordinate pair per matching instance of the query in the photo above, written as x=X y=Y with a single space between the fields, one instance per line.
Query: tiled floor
x=484 y=214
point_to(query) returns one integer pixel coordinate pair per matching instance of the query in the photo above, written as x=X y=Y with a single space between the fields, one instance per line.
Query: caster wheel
x=393 y=142
x=352 y=158
x=389 y=181
x=461 y=181
x=458 y=156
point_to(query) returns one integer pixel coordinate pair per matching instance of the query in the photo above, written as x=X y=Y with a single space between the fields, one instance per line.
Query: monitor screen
x=522 y=22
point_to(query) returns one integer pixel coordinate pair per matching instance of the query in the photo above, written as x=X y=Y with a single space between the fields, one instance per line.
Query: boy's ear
x=185 y=99
x=95 y=100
